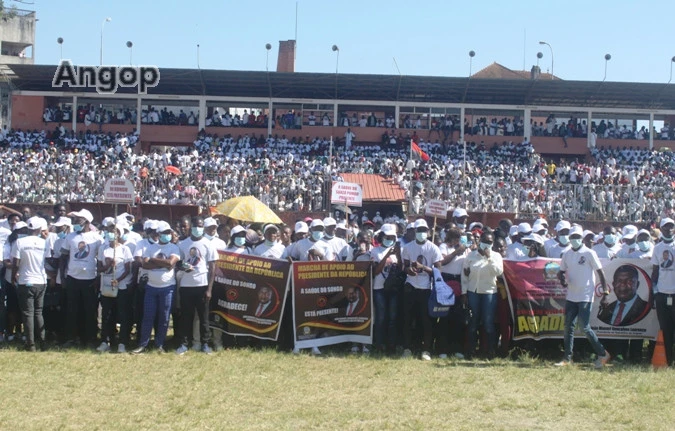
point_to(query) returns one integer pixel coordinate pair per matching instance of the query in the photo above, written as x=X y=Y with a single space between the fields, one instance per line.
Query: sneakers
x=161 y=350
x=459 y=355
x=355 y=349
x=426 y=356
x=407 y=353
x=103 y=348
x=563 y=363
x=206 y=349
x=365 y=350
x=316 y=351
x=442 y=356
x=121 y=348
x=139 y=350
x=182 y=350
x=602 y=360
x=296 y=350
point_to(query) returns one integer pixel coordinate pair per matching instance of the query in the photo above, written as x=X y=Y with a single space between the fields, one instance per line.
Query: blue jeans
x=157 y=303
x=386 y=306
x=483 y=309
x=581 y=310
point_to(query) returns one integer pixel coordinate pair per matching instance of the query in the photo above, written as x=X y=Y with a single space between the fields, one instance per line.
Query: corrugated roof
x=376 y=188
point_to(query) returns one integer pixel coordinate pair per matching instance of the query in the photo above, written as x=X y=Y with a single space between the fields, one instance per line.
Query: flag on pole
x=417 y=152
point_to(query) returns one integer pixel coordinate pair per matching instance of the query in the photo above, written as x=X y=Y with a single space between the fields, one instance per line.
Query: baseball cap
x=108 y=221
x=562 y=224
x=19 y=225
x=83 y=213
x=329 y=221
x=641 y=231
x=210 y=221
x=513 y=230
x=475 y=225
x=459 y=212
x=665 y=221
x=587 y=232
x=421 y=223
x=342 y=225
x=126 y=216
x=301 y=227
x=534 y=237
x=163 y=226
x=62 y=221
x=524 y=228
x=150 y=224
x=576 y=230
x=270 y=226
x=388 y=229
x=410 y=226
x=629 y=231
x=35 y=223
x=237 y=229
x=540 y=222
x=316 y=222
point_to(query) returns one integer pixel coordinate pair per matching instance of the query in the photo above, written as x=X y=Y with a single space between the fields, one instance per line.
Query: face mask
x=421 y=236
x=165 y=238
x=461 y=226
x=485 y=246
x=576 y=243
x=325 y=235
x=317 y=235
x=610 y=239
x=564 y=239
x=22 y=235
x=388 y=242
x=109 y=236
x=239 y=241
x=125 y=237
x=644 y=245
x=463 y=241
x=61 y=235
x=152 y=240
x=197 y=232
x=269 y=243
x=78 y=227
x=666 y=238
x=209 y=237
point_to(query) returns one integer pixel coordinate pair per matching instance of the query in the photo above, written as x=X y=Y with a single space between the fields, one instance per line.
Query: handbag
x=442 y=296
x=395 y=279
x=107 y=288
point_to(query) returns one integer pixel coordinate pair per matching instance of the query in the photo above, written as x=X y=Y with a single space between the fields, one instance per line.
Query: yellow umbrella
x=247 y=208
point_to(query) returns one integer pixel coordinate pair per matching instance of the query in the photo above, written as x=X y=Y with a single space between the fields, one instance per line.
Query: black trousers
x=415 y=311
x=191 y=302
x=31 y=301
x=82 y=301
x=115 y=310
x=666 y=316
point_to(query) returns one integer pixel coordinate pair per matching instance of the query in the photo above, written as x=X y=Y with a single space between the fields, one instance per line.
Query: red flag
x=416 y=150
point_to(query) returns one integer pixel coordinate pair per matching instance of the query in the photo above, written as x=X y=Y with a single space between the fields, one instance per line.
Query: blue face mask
x=576 y=243
x=610 y=239
x=109 y=236
x=197 y=232
x=644 y=245
x=152 y=240
x=61 y=235
x=317 y=235
x=421 y=236
x=564 y=239
x=239 y=241
x=125 y=237
x=165 y=238
x=388 y=242
x=78 y=227
x=461 y=226
x=463 y=241
x=485 y=246
x=269 y=243
x=209 y=237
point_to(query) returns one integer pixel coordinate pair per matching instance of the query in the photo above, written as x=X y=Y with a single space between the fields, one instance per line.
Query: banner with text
x=332 y=303
x=249 y=294
x=538 y=300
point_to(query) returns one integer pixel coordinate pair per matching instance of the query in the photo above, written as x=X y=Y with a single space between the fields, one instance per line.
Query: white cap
x=126 y=216
x=316 y=222
x=62 y=221
x=270 y=226
x=329 y=221
x=163 y=226
x=421 y=223
x=539 y=222
x=641 y=231
x=629 y=231
x=524 y=228
x=237 y=229
x=388 y=229
x=562 y=224
x=534 y=237
x=665 y=221
x=107 y=222
x=587 y=232
x=121 y=227
x=19 y=225
x=410 y=226
x=475 y=225
x=576 y=230
x=210 y=221
x=301 y=227
x=37 y=223
x=342 y=225
x=459 y=212
x=513 y=230
x=150 y=224
x=84 y=213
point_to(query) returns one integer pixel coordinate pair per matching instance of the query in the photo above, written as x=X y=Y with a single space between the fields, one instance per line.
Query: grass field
x=266 y=390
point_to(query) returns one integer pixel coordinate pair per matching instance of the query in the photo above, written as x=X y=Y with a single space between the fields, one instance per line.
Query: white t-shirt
x=274 y=251
x=376 y=256
x=198 y=254
x=301 y=250
x=664 y=257
x=219 y=244
x=342 y=251
x=580 y=273
x=122 y=255
x=161 y=277
x=31 y=251
x=427 y=254
x=83 y=249
x=138 y=252
x=453 y=267
x=606 y=252
x=557 y=250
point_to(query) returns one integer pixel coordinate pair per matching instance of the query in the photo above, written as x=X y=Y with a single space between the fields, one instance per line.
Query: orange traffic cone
x=659 y=358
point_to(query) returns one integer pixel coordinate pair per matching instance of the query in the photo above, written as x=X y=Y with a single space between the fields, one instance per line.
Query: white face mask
x=317 y=235
x=421 y=236
x=564 y=239
x=644 y=245
x=576 y=243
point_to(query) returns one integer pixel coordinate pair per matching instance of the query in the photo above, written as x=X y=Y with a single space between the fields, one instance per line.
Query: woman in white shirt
x=386 y=257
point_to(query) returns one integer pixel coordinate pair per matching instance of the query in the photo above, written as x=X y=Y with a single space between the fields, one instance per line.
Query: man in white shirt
x=555 y=247
x=210 y=233
x=419 y=259
x=454 y=250
x=349 y=137
x=340 y=248
x=663 y=280
x=609 y=246
x=28 y=272
x=199 y=257
x=579 y=269
x=517 y=250
x=78 y=261
x=628 y=240
x=312 y=247
x=271 y=247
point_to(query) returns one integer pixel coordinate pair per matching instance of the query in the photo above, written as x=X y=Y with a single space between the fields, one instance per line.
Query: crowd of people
x=58 y=268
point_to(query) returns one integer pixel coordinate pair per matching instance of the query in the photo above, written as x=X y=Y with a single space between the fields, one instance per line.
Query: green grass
x=266 y=390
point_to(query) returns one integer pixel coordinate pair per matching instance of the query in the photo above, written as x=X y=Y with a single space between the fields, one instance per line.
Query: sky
x=428 y=38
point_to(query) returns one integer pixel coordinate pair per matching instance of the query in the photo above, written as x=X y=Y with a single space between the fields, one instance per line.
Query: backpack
x=442 y=296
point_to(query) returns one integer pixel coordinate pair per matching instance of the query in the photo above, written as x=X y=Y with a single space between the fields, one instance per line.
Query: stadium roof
x=389 y=88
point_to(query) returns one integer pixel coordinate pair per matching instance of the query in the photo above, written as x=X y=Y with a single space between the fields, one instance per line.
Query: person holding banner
x=452 y=329
x=271 y=247
x=341 y=249
x=419 y=259
x=479 y=289
x=238 y=241
x=663 y=279
x=579 y=269
x=386 y=257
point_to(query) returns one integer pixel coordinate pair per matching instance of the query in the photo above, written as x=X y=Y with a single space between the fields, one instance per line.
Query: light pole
x=101 y=51
x=268 y=47
x=607 y=58
x=336 y=50
x=130 y=45
x=539 y=57
x=198 y=56
x=60 y=42
x=472 y=54
x=551 y=48
x=672 y=60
